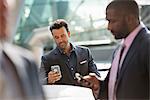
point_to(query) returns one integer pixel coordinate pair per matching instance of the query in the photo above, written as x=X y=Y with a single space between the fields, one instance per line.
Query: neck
x=67 y=49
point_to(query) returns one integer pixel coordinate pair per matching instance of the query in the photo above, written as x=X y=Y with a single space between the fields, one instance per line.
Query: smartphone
x=56 y=68
x=78 y=76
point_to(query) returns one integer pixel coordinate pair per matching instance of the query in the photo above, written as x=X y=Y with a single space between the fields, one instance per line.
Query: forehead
x=112 y=14
x=61 y=30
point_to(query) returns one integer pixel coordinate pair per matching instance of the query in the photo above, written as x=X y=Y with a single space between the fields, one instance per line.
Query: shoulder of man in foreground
x=20 y=51
x=24 y=60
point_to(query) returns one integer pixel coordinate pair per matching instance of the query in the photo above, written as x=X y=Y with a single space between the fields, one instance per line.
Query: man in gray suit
x=19 y=75
x=69 y=58
x=128 y=78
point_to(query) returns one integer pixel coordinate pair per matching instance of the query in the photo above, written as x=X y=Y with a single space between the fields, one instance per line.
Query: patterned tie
x=113 y=73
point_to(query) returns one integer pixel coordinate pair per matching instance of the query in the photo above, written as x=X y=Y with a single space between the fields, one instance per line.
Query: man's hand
x=93 y=82
x=53 y=77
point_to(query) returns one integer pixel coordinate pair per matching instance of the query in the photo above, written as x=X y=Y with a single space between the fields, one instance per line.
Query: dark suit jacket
x=133 y=81
x=54 y=58
x=26 y=70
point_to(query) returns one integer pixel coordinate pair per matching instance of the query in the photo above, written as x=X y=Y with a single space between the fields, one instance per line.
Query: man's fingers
x=53 y=77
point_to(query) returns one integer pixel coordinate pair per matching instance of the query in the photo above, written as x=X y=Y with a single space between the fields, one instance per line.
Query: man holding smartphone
x=54 y=75
x=70 y=59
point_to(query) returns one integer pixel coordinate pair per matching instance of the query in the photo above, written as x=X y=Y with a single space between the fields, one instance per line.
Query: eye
x=63 y=35
x=56 y=37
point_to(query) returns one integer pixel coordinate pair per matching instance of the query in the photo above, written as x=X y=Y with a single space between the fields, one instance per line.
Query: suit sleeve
x=44 y=70
x=92 y=66
x=103 y=93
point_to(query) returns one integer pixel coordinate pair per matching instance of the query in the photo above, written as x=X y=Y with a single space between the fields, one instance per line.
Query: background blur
x=87 y=25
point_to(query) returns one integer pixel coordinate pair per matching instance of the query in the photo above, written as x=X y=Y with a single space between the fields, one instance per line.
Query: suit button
x=72 y=69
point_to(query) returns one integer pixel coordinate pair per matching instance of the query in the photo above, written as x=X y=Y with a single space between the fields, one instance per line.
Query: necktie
x=121 y=52
x=120 y=60
x=113 y=73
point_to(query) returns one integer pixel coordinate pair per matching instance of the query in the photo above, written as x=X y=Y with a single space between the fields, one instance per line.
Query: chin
x=62 y=47
x=117 y=37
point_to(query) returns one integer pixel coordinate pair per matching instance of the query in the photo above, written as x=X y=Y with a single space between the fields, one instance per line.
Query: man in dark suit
x=128 y=78
x=70 y=58
x=17 y=66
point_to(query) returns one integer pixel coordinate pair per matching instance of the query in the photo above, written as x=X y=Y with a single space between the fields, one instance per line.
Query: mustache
x=61 y=42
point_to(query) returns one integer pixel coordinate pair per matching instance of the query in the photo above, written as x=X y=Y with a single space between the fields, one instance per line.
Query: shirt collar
x=62 y=52
x=129 y=39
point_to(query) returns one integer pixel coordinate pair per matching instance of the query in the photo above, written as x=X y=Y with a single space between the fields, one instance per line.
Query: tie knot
x=123 y=45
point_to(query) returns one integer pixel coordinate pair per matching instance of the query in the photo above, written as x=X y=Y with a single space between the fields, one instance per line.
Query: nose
x=60 y=39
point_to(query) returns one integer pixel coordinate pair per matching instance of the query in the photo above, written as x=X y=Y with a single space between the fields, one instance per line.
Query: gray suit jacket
x=85 y=65
x=133 y=80
x=26 y=70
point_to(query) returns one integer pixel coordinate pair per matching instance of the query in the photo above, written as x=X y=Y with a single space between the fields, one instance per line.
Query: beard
x=121 y=35
x=62 y=45
x=123 y=32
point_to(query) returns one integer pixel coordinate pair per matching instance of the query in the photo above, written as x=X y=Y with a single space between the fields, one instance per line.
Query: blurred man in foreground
x=19 y=76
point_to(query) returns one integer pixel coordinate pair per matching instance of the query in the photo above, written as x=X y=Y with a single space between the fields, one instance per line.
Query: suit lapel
x=78 y=59
x=19 y=65
x=130 y=54
x=15 y=59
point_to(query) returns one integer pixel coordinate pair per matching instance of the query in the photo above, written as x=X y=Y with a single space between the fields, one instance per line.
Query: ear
x=69 y=34
x=130 y=19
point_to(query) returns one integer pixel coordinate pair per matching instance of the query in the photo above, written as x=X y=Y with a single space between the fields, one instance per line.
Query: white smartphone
x=56 y=68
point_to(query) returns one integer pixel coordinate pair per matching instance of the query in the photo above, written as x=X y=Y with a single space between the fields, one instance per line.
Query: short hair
x=125 y=6
x=59 y=23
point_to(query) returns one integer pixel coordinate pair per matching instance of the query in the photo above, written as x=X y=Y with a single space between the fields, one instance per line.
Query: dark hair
x=125 y=6
x=59 y=23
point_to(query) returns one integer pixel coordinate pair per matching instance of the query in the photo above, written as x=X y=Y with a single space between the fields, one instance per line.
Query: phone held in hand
x=81 y=80
x=78 y=76
x=56 y=68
